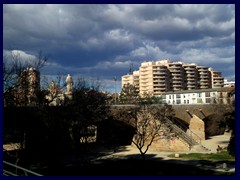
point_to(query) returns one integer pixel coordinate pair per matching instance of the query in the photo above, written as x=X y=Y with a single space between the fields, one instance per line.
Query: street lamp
x=115 y=95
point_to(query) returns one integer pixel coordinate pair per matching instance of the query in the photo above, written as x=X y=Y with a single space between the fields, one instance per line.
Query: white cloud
x=18 y=55
x=101 y=38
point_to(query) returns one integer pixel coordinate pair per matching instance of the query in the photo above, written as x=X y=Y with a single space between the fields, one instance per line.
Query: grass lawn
x=216 y=157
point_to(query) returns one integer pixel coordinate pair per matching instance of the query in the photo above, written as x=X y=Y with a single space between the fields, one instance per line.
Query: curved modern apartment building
x=156 y=78
x=204 y=78
x=177 y=76
x=191 y=76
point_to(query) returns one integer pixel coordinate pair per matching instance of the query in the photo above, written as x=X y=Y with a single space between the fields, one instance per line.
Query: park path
x=211 y=143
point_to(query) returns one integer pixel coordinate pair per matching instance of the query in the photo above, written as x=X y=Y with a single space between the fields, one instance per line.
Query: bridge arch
x=215 y=124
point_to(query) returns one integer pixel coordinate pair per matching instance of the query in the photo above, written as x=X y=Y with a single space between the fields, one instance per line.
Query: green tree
x=129 y=95
x=85 y=110
x=147 y=98
x=230 y=120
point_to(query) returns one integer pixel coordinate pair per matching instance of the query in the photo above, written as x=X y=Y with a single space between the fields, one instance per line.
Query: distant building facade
x=229 y=83
x=200 y=96
x=156 y=78
x=29 y=85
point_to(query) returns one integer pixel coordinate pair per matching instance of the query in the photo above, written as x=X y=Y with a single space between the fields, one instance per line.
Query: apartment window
x=207 y=94
x=178 y=96
x=184 y=101
x=199 y=95
x=188 y=101
x=221 y=95
x=178 y=101
x=228 y=101
x=199 y=100
x=183 y=96
x=173 y=102
x=221 y=101
x=169 y=96
x=208 y=100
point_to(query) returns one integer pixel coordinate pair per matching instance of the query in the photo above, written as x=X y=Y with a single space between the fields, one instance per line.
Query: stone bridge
x=204 y=112
x=210 y=118
x=204 y=120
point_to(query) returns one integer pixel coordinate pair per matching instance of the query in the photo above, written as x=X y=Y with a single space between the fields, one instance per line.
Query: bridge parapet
x=184 y=112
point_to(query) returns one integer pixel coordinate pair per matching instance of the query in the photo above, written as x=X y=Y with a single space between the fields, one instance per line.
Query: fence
x=10 y=169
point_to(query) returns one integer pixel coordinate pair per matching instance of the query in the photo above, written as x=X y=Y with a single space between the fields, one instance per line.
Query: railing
x=189 y=132
x=10 y=169
x=180 y=128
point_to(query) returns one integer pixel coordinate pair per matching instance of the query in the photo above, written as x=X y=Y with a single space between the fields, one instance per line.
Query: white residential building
x=201 y=96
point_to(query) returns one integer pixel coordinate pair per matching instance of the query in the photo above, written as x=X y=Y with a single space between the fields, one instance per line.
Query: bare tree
x=19 y=79
x=16 y=74
x=149 y=126
x=54 y=90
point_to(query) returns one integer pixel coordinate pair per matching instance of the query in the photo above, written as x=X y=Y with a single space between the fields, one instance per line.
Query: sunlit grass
x=221 y=156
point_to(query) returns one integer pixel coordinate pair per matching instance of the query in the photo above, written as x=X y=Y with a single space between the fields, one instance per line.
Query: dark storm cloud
x=102 y=40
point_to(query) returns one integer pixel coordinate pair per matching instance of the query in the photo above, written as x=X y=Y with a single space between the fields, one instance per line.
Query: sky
x=101 y=41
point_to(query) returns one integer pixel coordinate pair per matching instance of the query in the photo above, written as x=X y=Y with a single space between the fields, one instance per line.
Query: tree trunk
x=143 y=155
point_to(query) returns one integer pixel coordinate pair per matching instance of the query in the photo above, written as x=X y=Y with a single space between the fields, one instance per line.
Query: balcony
x=177 y=85
x=175 y=65
x=191 y=82
x=218 y=78
x=176 y=81
x=204 y=81
x=218 y=83
x=191 y=86
x=204 y=76
x=143 y=77
x=189 y=68
x=204 y=84
x=190 y=78
x=159 y=88
x=191 y=75
x=217 y=86
x=204 y=87
x=175 y=70
x=205 y=73
x=177 y=77
x=159 y=75
x=159 y=67
x=177 y=89
x=159 y=72
x=159 y=81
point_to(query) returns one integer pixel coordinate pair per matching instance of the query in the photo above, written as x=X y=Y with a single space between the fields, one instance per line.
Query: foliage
x=129 y=95
x=87 y=107
x=149 y=99
x=230 y=119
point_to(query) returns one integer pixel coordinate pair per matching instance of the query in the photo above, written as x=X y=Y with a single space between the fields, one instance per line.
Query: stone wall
x=197 y=126
x=202 y=111
x=174 y=144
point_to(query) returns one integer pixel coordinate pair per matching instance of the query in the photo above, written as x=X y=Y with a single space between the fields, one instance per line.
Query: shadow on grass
x=133 y=165
x=105 y=161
